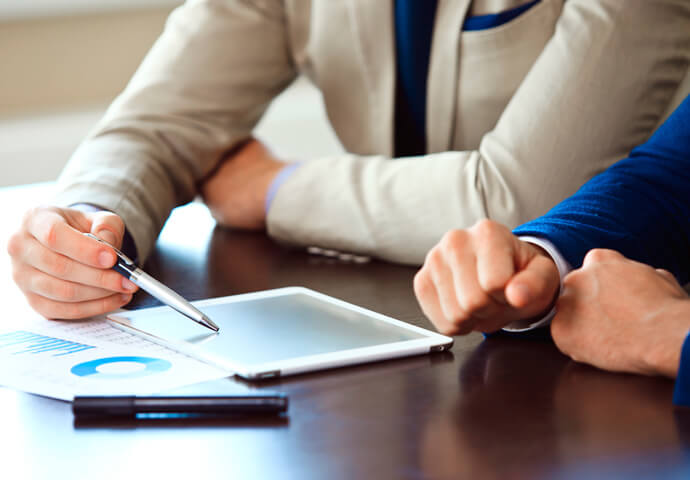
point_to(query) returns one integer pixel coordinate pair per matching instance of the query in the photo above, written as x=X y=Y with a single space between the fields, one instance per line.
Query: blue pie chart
x=150 y=366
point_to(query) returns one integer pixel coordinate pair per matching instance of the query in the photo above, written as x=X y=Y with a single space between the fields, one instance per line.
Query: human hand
x=484 y=278
x=621 y=315
x=64 y=274
x=236 y=192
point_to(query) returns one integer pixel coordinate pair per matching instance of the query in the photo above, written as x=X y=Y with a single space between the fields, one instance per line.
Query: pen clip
x=128 y=262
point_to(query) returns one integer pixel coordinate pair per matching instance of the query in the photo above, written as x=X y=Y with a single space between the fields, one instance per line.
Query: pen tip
x=210 y=324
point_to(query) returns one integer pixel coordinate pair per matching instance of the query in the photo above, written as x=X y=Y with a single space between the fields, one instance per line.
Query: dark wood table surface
x=496 y=408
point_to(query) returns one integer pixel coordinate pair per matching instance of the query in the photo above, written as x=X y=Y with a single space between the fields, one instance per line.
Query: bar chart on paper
x=21 y=341
x=62 y=366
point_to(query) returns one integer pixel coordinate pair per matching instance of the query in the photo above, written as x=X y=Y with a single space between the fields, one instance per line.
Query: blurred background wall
x=63 y=61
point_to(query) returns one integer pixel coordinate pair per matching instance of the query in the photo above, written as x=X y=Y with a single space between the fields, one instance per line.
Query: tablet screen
x=274 y=328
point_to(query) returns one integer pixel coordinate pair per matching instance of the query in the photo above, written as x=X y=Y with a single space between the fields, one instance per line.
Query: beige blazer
x=518 y=116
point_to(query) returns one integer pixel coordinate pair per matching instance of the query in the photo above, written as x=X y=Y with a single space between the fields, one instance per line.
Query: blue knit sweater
x=640 y=207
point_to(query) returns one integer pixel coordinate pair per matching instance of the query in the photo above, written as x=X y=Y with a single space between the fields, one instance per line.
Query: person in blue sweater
x=603 y=267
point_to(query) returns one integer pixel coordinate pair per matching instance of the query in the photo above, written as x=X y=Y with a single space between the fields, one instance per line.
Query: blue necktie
x=414 y=24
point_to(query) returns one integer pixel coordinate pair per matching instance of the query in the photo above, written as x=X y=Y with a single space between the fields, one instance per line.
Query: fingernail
x=128 y=285
x=107 y=235
x=105 y=258
x=125 y=297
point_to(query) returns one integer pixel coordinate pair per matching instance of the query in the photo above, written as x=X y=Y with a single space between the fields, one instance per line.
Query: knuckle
x=434 y=260
x=420 y=283
x=600 y=255
x=474 y=303
x=559 y=336
x=15 y=244
x=48 y=234
x=37 y=303
x=111 y=303
x=110 y=221
x=458 y=320
x=29 y=215
x=121 y=301
x=61 y=266
x=571 y=280
x=448 y=330
x=556 y=327
x=453 y=241
x=492 y=283
x=107 y=279
x=66 y=292
x=71 y=311
x=485 y=228
x=18 y=276
x=594 y=255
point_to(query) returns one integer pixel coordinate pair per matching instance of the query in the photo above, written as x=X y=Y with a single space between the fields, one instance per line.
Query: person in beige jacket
x=517 y=117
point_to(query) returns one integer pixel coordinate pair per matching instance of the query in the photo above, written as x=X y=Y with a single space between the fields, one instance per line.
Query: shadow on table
x=526 y=411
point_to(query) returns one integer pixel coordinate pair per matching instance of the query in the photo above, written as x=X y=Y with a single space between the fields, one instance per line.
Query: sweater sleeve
x=640 y=206
x=681 y=394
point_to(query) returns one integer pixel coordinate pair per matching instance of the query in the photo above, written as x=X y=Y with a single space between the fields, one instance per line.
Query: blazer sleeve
x=640 y=206
x=201 y=89
x=599 y=87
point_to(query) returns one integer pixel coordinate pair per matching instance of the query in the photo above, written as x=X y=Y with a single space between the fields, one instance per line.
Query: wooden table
x=497 y=408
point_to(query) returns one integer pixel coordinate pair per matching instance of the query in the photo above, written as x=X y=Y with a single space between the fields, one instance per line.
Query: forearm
x=639 y=207
x=571 y=117
x=199 y=92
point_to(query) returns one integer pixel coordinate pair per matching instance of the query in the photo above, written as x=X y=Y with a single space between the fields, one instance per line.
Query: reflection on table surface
x=496 y=408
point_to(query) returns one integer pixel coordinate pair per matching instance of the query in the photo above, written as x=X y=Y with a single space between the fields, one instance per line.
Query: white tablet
x=282 y=332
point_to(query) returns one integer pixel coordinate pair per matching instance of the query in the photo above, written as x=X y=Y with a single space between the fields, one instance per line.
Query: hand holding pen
x=128 y=269
x=63 y=273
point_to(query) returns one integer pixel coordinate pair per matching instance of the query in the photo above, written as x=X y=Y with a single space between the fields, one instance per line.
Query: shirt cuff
x=681 y=392
x=563 y=269
x=277 y=182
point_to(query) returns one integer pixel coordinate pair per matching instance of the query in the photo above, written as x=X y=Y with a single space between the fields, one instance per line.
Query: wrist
x=671 y=325
x=268 y=186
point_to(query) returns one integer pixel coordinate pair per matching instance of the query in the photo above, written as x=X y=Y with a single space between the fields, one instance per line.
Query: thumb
x=109 y=227
x=535 y=286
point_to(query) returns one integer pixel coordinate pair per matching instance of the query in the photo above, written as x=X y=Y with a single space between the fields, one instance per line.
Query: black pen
x=131 y=406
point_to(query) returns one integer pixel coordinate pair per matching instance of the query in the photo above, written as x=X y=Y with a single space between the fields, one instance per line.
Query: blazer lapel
x=442 y=81
x=373 y=24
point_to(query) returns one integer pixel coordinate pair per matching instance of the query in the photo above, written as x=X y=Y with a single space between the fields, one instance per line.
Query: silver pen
x=127 y=268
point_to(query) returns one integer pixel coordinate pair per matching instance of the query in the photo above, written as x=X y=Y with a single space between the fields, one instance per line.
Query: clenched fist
x=483 y=279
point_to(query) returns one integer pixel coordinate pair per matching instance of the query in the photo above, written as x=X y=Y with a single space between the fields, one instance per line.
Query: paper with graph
x=64 y=359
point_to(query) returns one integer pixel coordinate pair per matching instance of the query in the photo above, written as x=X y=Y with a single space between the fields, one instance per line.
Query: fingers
x=34 y=254
x=53 y=232
x=600 y=255
x=31 y=280
x=442 y=279
x=63 y=273
x=534 y=288
x=670 y=278
x=460 y=287
x=68 y=311
x=427 y=297
x=109 y=227
x=495 y=259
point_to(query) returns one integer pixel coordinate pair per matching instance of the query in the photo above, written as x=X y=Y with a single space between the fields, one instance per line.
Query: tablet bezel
x=432 y=341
